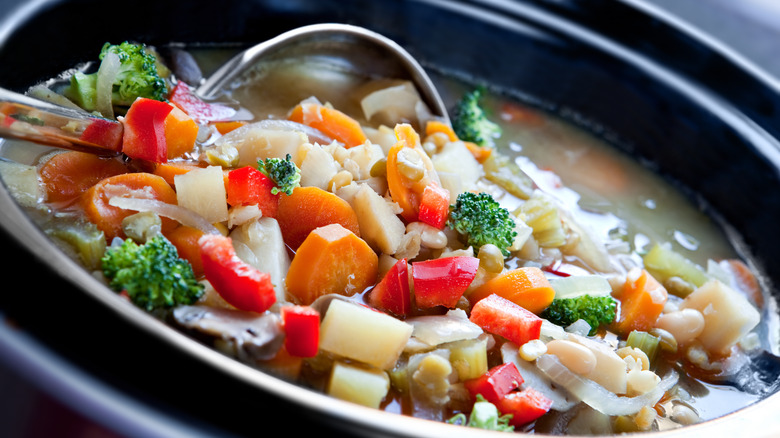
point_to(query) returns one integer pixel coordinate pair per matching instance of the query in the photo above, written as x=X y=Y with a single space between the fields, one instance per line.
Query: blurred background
x=748 y=27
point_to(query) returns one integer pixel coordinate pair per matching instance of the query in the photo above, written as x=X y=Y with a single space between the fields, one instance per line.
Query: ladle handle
x=26 y=118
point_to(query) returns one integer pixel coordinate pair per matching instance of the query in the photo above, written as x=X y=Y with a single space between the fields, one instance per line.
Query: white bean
x=578 y=358
x=685 y=325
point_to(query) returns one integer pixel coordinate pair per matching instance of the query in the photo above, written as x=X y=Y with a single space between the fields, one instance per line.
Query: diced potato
x=203 y=191
x=728 y=316
x=379 y=225
x=266 y=250
x=356 y=332
x=610 y=371
x=455 y=158
x=253 y=142
x=317 y=167
x=367 y=387
x=364 y=156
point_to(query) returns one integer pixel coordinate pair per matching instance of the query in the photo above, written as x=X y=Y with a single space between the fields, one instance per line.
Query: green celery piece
x=82 y=90
x=663 y=263
x=645 y=342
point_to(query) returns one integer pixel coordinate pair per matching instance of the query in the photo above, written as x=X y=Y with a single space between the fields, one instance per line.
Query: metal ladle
x=351 y=47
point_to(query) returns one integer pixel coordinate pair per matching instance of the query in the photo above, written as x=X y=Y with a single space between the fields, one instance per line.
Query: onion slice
x=536 y=379
x=180 y=214
x=104 y=86
x=595 y=395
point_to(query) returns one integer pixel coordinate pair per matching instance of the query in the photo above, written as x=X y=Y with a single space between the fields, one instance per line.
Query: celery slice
x=645 y=342
x=663 y=263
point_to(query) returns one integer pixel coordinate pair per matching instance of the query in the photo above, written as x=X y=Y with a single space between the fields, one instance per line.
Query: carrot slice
x=185 y=239
x=642 y=300
x=181 y=131
x=436 y=126
x=225 y=127
x=330 y=121
x=95 y=201
x=527 y=287
x=68 y=174
x=309 y=208
x=332 y=259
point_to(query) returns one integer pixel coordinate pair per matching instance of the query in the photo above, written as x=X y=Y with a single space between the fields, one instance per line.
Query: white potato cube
x=367 y=387
x=728 y=316
x=379 y=225
x=356 y=332
x=455 y=158
x=203 y=191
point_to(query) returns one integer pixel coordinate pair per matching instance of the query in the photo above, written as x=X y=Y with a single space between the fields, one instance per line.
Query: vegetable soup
x=504 y=269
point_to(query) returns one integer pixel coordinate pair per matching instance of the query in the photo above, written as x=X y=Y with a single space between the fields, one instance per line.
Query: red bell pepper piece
x=441 y=282
x=434 y=206
x=301 y=326
x=144 y=130
x=201 y=111
x=525 y=406
x=105 y=133
x=496 y=383
x=393 y=294
x=497 y=315
x=247 y=185
x=237 y=282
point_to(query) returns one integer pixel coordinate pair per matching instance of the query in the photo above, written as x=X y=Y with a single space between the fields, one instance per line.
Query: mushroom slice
x=248 y=336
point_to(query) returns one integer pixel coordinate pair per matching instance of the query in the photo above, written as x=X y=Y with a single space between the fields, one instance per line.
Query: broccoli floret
x=595 y=310
x=470 y=121
x=285 y=174
x=482 y=220
x=137 y=76
x=152 y=274
x=484 y=415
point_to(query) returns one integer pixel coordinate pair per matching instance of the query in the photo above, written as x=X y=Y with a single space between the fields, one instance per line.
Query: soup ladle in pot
x=353 y=48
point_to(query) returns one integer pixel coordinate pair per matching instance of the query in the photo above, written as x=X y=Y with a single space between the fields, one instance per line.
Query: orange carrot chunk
x=309 y=208
x=332 y=259
x=185 y=239
x=108 y=218
x=69 y=174
x=332 y=122
x=527 y=287
x=642 y=300
x=181 y=131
